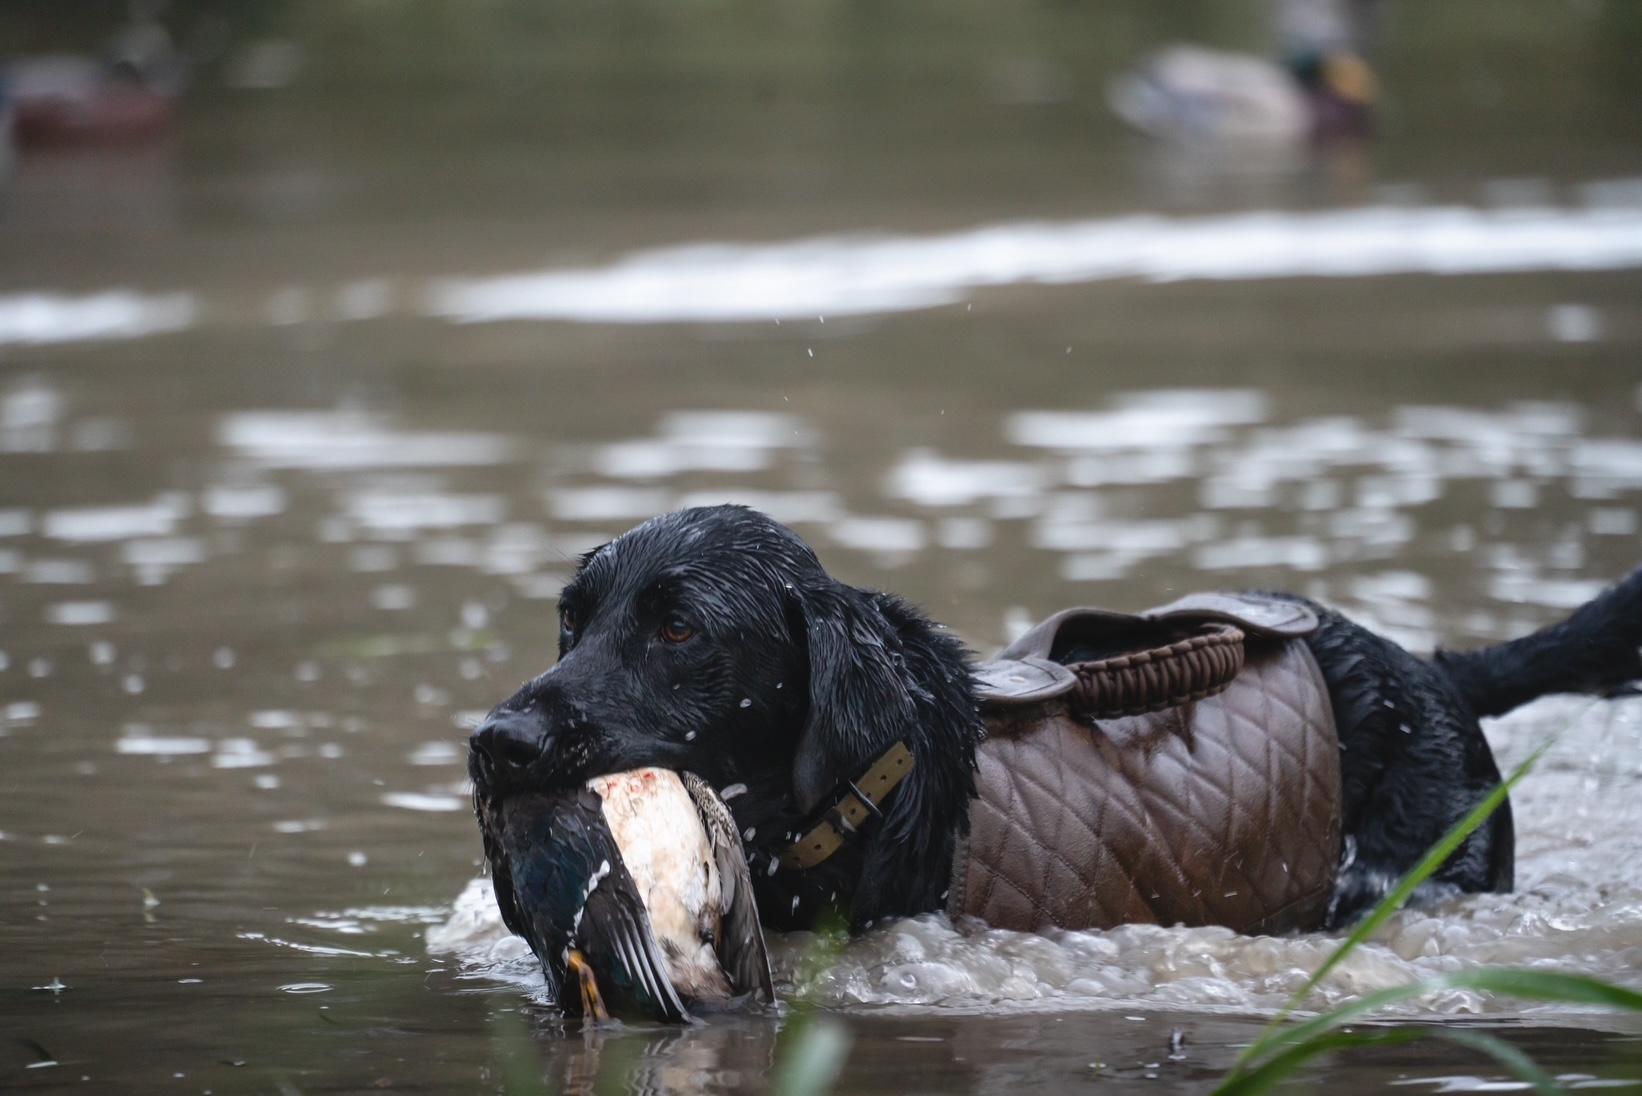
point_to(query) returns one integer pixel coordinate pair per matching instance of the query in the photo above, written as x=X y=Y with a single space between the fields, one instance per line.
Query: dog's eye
x=567 y=619
x=677 y=630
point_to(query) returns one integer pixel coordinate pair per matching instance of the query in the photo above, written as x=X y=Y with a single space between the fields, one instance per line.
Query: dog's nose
x=514 y=739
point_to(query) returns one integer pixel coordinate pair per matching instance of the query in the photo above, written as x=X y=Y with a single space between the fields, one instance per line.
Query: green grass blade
x=1281 y=1066
x=1535 y=985
x=1277 y=1068
x=1434 y=858
x=1514 y=1060
x=1544 y=985
x=813 y=1053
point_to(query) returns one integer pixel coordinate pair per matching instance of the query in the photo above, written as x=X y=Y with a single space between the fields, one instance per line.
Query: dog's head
x=711 y=640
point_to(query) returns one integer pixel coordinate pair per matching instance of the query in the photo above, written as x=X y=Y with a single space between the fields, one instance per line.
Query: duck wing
x=617 y=936
x=570 y=890
x=492 y=831
x=740 y=942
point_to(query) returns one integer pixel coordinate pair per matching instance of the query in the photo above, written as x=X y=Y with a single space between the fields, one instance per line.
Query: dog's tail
x=1598 y=651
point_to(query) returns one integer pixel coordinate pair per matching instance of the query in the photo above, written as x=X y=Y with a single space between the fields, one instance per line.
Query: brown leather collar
x=846 y=816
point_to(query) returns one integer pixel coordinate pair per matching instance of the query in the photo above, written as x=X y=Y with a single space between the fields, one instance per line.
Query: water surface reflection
x=275 y=527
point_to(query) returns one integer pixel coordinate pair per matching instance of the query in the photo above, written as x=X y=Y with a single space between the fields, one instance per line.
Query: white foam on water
x=606 y=503
x=865 y=274
x=423 y=801
x=928 y=479
x=737 y=429
x=1161 y=420
x=889 y=535
x=347 y=440
x=153 y=559
x=30 y=413
x=704 y=441
x=243 y=502
x=20 y=711
x=645 y=458
x=240 y=753
x=437 y=752
x=143 y=742
x=39 y=318
x=59 y=572
x=79 y=613
x=104 y=523
x=392 y=511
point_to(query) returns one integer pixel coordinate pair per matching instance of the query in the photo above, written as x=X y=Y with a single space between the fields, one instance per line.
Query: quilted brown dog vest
x=1177 y=767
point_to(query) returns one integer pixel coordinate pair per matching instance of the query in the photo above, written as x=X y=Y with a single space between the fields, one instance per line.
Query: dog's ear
x=860 y=701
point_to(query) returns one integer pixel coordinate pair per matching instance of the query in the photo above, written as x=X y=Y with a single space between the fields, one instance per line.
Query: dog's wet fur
x=713 y=640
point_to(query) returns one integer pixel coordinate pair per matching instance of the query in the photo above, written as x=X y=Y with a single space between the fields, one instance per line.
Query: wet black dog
x=713 y=640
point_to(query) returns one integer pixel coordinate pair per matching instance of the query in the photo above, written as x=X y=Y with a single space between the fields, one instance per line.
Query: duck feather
x=740 y=941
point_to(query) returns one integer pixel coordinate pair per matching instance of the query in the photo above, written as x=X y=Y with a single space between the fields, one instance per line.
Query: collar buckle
x=844 y=819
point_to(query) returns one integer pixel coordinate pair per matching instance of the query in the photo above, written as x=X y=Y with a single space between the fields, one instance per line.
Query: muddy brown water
x=305 y=411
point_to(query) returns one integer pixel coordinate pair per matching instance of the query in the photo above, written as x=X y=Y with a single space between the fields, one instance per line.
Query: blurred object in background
x=127 y=94
x=1320 y=87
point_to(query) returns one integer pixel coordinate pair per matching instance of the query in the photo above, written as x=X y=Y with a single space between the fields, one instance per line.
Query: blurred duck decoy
x=1323 y=87
x=129 y=94
x=1190 y=93
x=633 y=892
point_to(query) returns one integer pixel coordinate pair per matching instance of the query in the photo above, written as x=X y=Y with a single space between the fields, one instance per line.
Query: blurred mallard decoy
x=1322 y=88
x=1190 y=93
x=633 y=892
x=130 y=93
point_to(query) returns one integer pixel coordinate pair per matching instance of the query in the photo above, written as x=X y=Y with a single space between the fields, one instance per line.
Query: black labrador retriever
x=713 y=640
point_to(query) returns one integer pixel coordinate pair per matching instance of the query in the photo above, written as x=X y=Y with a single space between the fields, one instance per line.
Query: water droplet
x=746 y=702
